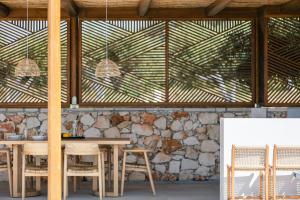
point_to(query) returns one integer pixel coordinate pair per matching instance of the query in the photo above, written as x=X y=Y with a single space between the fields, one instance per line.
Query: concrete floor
x=141 y=191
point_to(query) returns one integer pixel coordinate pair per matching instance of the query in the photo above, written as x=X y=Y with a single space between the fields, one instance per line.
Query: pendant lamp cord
x=27 y=29
x=106 y=45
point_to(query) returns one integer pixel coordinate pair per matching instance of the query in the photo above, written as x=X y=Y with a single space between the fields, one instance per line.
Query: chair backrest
x=38 y=149
x=249 y=158
x=286 y=157
x=81 y=149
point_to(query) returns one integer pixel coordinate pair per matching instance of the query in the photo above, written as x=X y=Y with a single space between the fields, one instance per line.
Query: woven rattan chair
x=141 y=168
x=30 y=169
x=254 y=159
x=6 y=166
x=284 y=159
x=97 y=170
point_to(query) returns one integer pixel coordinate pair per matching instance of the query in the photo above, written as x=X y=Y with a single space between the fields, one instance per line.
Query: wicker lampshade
x=107 y=68
x=27 y=67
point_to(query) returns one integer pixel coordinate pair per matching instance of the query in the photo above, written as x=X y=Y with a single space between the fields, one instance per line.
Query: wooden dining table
x=17 y=165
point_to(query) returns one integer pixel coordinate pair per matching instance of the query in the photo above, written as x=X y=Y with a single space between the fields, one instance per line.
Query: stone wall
x=185 y=142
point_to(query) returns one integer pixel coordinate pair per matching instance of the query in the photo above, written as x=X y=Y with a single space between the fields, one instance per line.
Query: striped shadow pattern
x=283 y=83
x=210 y=61
x=22 y=90
x=138 y=47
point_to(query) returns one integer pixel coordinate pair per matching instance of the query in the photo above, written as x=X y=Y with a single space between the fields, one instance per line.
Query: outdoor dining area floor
x=208 y=190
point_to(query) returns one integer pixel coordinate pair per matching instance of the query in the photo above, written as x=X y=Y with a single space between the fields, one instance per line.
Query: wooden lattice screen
x=210 y=61
x=169 y=62
x=283 y=61
x=139 y=49
x=28 y=91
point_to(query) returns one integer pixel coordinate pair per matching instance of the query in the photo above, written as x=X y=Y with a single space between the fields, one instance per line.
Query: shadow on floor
x=141 y=191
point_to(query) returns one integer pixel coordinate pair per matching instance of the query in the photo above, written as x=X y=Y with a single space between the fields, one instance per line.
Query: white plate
x=15 y=137
x=39 y=137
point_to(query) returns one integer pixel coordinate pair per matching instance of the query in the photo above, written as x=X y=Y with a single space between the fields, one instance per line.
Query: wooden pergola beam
x=165 y=13
x=70 y=6
x=217 y=7
x=144 y=7
x=4 y=10
x=54 y=100
x=292 y=5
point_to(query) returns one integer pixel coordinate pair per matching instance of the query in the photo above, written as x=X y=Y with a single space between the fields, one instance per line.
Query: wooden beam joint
x=4 y=10
x=216 y=7
x=293 y=5
x=144 y=7
x=70 y=6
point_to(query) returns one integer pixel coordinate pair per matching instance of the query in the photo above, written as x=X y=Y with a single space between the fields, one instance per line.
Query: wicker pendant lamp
x=107 y=67
x=26 y=66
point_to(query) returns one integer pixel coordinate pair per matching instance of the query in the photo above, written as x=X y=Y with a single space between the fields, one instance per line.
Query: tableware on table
x=14 y=137
x=39 y=137
x=70 y=136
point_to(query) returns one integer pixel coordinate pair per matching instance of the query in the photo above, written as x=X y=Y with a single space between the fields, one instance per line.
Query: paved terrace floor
x=141 y=191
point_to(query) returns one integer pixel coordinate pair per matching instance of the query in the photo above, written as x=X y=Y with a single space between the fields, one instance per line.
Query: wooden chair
x=77 y=149
x=107 y=165
x=284 y=159
x=141 y=168
x=6 y=166
x=31 y=169
x=249 y=159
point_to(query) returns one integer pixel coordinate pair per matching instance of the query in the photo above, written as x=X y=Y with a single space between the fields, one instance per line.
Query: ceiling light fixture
x=107 y=67
x=26 y=66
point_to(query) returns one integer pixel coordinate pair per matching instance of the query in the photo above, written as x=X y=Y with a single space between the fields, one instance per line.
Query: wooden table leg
x=17 y=171
x=116 y=170
x=38 y=178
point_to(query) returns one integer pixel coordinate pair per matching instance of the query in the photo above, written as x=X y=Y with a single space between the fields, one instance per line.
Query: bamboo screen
x=28 y=90
x=205 y=61
x=283 y=66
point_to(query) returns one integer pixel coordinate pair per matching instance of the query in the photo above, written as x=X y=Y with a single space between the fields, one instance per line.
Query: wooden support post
x=54 y=101
x=74 y=57
x=262 y=55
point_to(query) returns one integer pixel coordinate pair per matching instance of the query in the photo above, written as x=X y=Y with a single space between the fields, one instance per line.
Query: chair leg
x=274 y=184
x=23 y=177
x=109 y=167
x=100 y=176
x=123 y=173
x=267 y=184
x=260 y=185
x=103 y=175
x=232 y=184
x=65 y=177
x=149 y=173
x=74 y=183
x=228 y=182
x=9 y=172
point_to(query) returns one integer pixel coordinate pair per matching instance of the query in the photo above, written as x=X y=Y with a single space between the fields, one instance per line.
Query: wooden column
x=54 y=101
x=262 y=56
x=74 y=57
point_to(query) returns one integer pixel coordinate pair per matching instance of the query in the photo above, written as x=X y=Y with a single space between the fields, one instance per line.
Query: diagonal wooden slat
x=283 y=84
x=138 y=48
x=13 y=39
x=194 y=74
